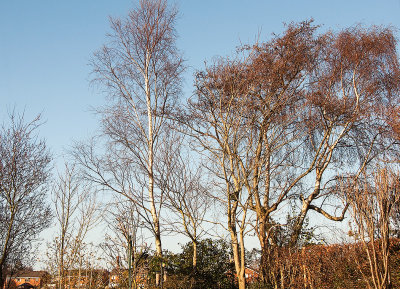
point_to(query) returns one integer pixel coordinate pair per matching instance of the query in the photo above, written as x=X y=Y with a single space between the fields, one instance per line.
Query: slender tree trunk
x=264 y=263
x=150 y=163
x=61 y=264
x=238 y=267
x=242 y=277
x=238 y=258
x=298 y=225
x=158 y=244
x=282 y=271
x=194 y=256
x=4 y=255
x=304 y=210
x=156 y=221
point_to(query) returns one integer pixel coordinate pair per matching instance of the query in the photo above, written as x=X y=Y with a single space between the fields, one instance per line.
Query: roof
x=73 y=272
x=31 y=274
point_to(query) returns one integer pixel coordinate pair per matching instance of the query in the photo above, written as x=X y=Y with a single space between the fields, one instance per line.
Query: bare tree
x=124 y=245
x=372 y=207
x=140 y=69
x=24 y=173
x=181 y=178
x=76 y=214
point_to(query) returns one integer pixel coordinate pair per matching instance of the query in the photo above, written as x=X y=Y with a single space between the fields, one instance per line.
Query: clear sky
x=45 y=47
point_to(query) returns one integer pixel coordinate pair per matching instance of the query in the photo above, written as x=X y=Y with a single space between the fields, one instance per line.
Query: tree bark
x=194 y=256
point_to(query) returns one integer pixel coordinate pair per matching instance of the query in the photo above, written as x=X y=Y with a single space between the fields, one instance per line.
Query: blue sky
x=45 y=47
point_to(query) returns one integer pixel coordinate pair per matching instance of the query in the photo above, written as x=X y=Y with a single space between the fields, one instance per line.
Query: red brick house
x=119 y=278
x=26 y=279
x=95 y=278
x=251 y=275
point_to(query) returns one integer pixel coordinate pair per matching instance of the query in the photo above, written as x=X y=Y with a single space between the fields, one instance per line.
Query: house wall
x=16 y=281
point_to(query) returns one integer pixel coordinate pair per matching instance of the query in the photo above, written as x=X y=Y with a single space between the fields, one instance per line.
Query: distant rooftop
x=30 y=274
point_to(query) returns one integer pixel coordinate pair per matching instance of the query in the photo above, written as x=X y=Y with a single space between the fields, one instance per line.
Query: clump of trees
x=290 y=122
x=293 y=122
x=305 y=124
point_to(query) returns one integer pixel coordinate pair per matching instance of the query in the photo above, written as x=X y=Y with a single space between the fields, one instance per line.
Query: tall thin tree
x=141 y=70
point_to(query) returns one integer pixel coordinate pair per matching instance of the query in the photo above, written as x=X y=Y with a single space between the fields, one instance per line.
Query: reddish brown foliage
x=328 y=267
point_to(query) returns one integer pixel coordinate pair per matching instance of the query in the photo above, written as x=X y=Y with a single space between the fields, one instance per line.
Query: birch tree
x=352 y=87
x=140 y=69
